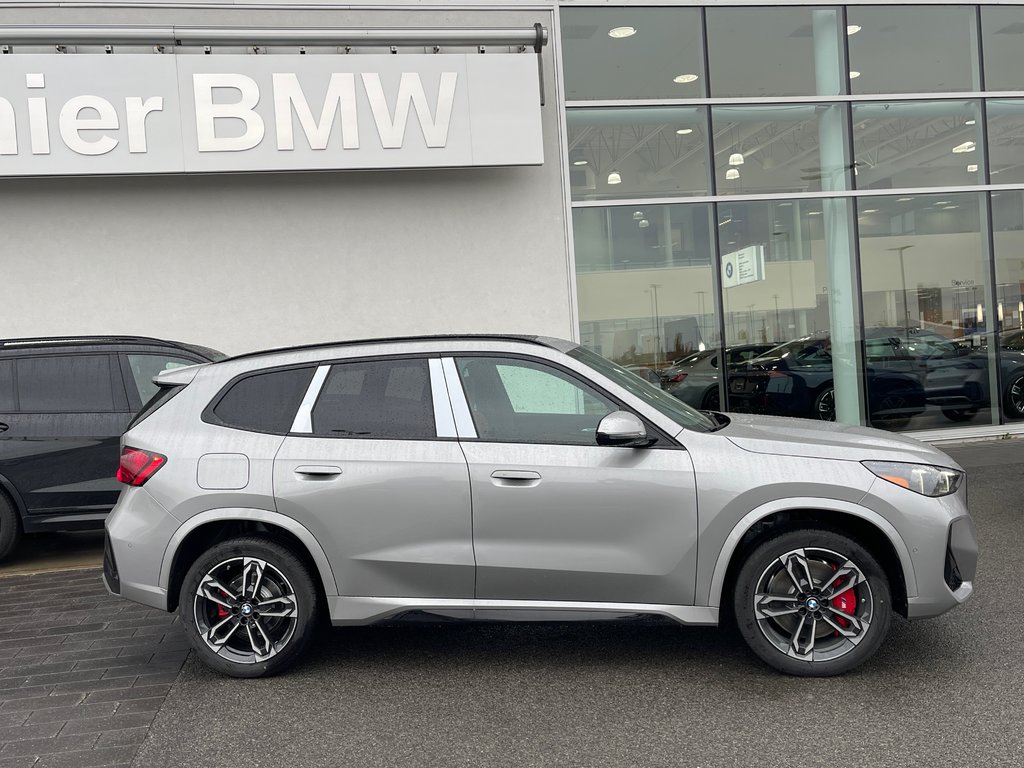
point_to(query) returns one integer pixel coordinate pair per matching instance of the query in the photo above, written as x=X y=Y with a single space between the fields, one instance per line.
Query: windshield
x=654 y=396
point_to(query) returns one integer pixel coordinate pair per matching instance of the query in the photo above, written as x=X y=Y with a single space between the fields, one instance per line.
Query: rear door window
x=384 y=399
x=66 y=384
x=263 y=402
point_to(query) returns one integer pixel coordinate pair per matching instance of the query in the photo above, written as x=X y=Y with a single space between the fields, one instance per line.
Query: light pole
x=903 y=282
x=655 y=320
x=778 y=324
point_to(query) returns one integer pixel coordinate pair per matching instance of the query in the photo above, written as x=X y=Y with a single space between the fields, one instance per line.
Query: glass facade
x=804 y=210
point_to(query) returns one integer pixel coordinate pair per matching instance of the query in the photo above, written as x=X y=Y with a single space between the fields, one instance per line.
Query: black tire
x=283 y=638
x=711 y=400
x=825 y=404
x=840 y=644
x=960 y=414
x=891 y=413
x=10 y=527
x=1014 y=398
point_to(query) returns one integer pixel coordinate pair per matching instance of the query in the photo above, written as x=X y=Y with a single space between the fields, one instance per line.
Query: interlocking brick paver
x=82 y=674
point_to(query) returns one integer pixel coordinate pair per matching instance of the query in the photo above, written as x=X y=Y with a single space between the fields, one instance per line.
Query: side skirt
x=370 y=610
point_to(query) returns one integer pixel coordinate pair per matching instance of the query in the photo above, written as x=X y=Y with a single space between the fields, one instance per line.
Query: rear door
x=373 y=467
x=61 y=424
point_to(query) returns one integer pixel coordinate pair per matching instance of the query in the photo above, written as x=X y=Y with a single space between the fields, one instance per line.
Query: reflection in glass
x=637 y=152
x=1006 y=140
x=912 y=49
x=644 y=281
x=1002 y=28
x=1008 y=240
x=774 y=51
x=917 y=144
x=927 y=317
x=632 y=53
x=782 y=148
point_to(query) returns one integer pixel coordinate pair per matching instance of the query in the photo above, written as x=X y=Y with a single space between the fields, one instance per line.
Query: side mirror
x=623 y=429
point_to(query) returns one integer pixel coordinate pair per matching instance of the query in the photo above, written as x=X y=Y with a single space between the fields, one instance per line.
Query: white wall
x=251 y=261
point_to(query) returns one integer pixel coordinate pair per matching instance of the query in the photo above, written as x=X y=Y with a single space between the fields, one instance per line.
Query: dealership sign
x=743 y=266
x=75 y=114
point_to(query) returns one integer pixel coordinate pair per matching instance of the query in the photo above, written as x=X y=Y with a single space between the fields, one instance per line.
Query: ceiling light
x=732 y=174
x=942 y=202
x=736 y=158
x=972 y=168
x=904 y=199
x=970 y=122
x=854 y=74
x=852 y=29
x=724 y=222
x=684 y=131
x=579 y=162
x=620 y=32
x=683 y=79
x=637 y=215
x=614 y=177
x=643 y=223
x=967 y=146
x=950 y=207
x=814 y=213
x=784 y=204
x=870 y=210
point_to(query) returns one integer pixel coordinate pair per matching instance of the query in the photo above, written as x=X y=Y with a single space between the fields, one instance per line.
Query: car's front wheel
x=249 y=607
x=10 y=528
x=813 y=603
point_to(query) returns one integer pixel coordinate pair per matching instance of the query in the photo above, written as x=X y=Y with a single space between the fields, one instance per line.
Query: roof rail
x=43 y=341
x=392 y=339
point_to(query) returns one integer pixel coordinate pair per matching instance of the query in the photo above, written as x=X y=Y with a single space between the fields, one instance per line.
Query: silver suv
x=500 y=477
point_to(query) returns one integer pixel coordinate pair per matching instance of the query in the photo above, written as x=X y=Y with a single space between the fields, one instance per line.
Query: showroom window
x=809 y=205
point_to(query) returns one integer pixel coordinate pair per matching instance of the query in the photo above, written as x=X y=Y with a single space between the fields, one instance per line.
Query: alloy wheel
x=813 y=604
x=825 y=405
x=245 y=610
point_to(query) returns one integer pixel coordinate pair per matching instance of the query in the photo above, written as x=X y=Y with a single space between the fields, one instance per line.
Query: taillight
x=678 y=377
x=137 y=466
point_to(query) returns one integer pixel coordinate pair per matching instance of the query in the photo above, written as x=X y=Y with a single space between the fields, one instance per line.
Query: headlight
x=920 y=478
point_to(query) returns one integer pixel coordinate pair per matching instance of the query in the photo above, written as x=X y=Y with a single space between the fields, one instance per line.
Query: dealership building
x=836 y=191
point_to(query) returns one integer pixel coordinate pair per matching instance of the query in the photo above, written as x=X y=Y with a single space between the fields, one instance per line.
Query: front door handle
x=318 y=471
x=515 y=478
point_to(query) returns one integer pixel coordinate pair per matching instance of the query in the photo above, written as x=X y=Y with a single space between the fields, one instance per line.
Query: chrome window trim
x=444 y=418
x=460 y=406
x=303 y=422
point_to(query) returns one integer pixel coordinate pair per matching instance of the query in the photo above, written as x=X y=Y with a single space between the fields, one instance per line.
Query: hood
x=827 y=440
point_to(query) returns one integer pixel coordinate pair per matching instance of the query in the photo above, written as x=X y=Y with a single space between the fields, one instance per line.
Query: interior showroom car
x=517 y=478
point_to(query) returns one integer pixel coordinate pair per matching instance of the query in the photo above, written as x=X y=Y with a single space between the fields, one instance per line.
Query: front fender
x=728 y=549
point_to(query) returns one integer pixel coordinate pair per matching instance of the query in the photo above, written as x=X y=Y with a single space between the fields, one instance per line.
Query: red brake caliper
x=222 y=612
x=845 y=602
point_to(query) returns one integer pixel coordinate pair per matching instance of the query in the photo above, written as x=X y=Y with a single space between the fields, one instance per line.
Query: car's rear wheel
x=249 y=607
x=825 y=404
x=1014 y=400
x=960 y=414
x=813 y=603
x=711 y=400
x=10 y=527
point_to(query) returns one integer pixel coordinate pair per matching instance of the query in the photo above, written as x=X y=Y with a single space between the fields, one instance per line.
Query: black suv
x=64 y=403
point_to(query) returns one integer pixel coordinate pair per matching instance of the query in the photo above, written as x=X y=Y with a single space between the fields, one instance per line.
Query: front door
x=557 y=516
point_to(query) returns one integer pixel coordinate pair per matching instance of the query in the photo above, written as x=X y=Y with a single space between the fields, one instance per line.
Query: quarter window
x=526 y=402
x=145 y=367
x=264 y=402
x=6 y=385
x=72 y=384
x=384 y=399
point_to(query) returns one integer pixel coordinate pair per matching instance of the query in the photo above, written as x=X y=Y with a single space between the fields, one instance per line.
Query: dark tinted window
x=376 y=398
x=73 y=384
x=6 y=385
x=264 y=402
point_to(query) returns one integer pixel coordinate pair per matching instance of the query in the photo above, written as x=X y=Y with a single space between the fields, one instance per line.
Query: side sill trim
x=369 y=610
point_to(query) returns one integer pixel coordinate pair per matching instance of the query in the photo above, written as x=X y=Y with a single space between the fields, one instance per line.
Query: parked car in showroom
x=906 y=370
x=523 y=478
x=64 y=403
x=695 y=379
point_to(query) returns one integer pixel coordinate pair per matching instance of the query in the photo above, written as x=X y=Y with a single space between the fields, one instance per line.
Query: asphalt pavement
x=941 y=692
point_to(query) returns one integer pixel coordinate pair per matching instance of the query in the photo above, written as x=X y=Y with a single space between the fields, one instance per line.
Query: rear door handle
x=4 y=427
x=318 y=471
x=515 y=478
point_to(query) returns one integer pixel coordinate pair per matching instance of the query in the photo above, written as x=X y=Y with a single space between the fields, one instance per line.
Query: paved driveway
x=940 y=692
